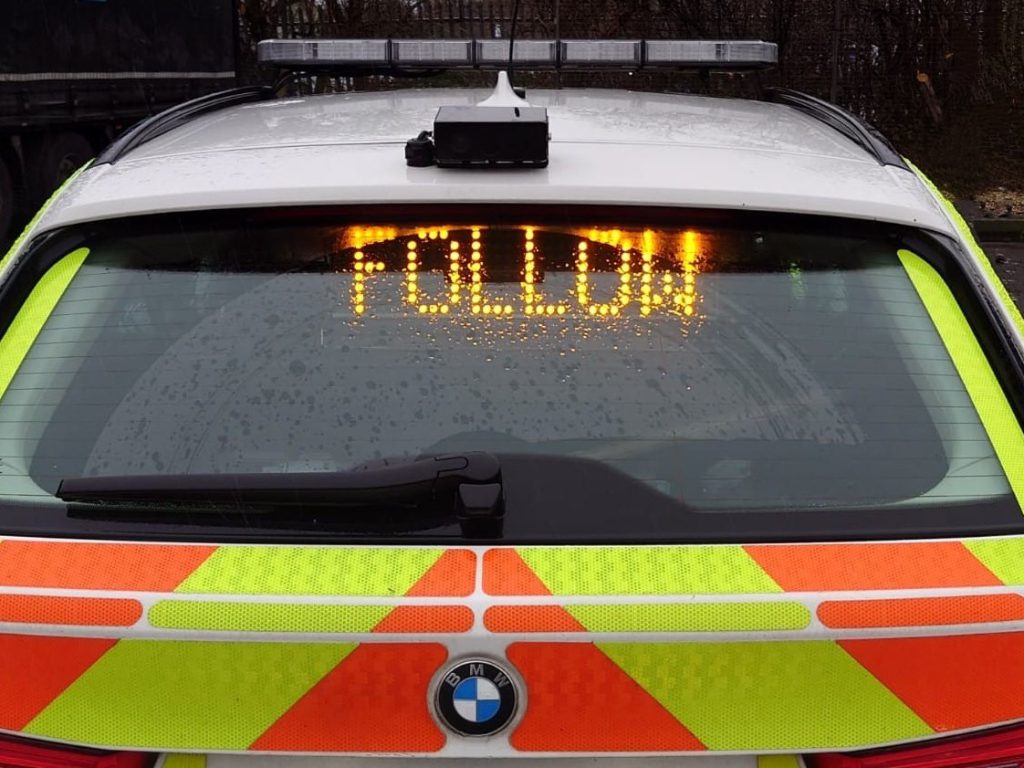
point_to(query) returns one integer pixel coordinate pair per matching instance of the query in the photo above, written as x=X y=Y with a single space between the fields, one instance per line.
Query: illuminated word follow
x=638 y=281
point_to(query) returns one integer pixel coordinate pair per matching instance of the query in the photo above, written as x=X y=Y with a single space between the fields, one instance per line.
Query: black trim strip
x=848 y=124
x=178 y=115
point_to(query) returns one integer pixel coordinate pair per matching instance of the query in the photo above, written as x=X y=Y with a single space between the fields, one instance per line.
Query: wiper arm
x=471 y=481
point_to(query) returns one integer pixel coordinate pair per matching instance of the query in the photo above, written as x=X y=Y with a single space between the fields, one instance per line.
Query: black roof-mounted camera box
x=491 y=136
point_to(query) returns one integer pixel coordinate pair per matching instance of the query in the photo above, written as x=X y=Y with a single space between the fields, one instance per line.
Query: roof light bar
x=320 y=53
x=431 y=53
x=602 y=53
x=676 y=53
x=528 y=52
x=392 y=55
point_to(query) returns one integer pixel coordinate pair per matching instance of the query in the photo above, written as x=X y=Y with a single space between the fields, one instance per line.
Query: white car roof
x=607 y=147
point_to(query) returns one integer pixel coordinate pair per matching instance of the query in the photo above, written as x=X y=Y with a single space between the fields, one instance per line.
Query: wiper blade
x=470 y=482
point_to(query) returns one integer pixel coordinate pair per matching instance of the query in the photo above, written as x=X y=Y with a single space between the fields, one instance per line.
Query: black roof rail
x=179 y=114
x=848 y=124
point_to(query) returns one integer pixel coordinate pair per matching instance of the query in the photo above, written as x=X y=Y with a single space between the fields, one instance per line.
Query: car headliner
x=607 y=147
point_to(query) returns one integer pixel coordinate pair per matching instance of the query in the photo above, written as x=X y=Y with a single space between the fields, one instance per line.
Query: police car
x=357 y=429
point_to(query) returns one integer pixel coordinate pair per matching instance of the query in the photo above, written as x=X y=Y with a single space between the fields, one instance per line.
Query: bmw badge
x=476 y=698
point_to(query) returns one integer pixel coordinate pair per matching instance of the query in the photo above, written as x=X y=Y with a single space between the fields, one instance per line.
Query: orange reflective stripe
x=427 y=619
x=506 y=573
x=86 y=565
x=375 y=700
x=836 y=567
x=37 y=669
x=921 y=611
x=453 y=575
x=78 y=611
x=954 y=682
x=163 y=567
x=530 y=618
x=581 y=701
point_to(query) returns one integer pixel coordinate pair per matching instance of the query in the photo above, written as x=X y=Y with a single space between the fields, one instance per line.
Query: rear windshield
x=687 y=371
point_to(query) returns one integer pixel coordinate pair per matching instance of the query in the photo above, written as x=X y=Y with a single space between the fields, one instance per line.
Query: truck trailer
x=75 y=73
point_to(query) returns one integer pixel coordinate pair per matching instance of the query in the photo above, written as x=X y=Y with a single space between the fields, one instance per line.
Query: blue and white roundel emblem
x=476 y=698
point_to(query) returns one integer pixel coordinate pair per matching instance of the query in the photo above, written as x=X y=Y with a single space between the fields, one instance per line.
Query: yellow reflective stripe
x=34 y=313
x=778 y=761
x=1004 y=431
x=178 y=760
x=750 y=616
x=343 y=571
x=39 y=214
x=768 y=695
x=629 y=570
x=692 y=617
x=965 y=231
x=186 y=694
x=266 y=617
x=1004 y=557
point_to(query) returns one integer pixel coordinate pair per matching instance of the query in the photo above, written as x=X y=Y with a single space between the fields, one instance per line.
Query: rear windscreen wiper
x=470 y=482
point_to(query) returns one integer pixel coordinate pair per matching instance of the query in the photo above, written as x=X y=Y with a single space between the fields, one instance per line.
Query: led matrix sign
x=502 y=272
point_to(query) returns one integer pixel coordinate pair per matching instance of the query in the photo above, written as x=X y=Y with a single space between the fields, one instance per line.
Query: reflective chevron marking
x=185 y=694
x=872 y=627
x=730 y=616
x=769 y=696
x=335 y=715
x=581 y=701
x=921 y=611
x=271 y=570
x=69 y=611
x=184 y=761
